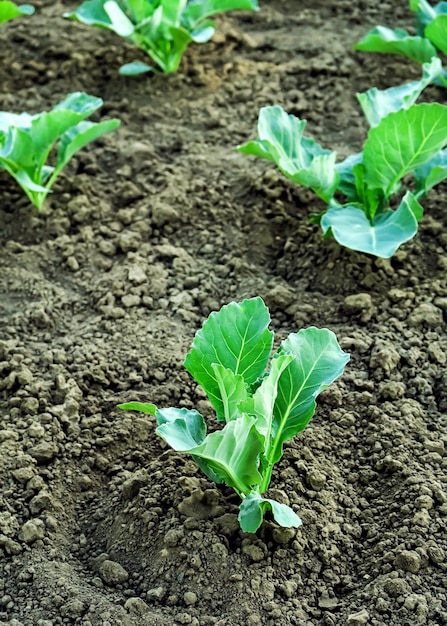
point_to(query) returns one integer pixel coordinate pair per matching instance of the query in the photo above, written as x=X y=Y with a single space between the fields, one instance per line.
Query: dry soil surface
x=148 y=231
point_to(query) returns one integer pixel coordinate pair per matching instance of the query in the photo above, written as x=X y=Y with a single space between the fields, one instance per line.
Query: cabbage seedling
x=10 y=10
x=27 y=140
x=430 y=38
x=259 y=409
x=162 y=28
x=360 y=189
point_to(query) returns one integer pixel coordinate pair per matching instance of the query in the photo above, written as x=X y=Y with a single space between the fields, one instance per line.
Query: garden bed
x=148 y=230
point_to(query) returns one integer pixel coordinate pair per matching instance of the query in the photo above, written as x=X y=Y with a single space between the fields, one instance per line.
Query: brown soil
x=150 y=229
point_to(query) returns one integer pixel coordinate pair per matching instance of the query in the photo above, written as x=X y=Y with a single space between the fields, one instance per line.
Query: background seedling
x=368 y=209
x=430 y=38
x=259 y=409
x=162 y=28
x=10 y=10
x=26 y=141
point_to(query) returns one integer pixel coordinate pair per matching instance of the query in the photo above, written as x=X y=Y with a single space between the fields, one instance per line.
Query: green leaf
x=231 y=453
x=347 y=180
x=203 y=33
x=10 y=10
x=79 y=102
x=236 y=337
x=172 y=11
x=135 y=68
x=262 y=403
x=303 y=160
x=425 y=13
x=318 y=361
x=91 y=13
x=402 y=142
x=233 y=390
x=397 y=41
x=377 y=104
x=198 y=10
x=79 y=136
x=436 y=31
x=431 y=173
x=140 y=9
x=253 y=507
x=143 y=407
x=183 y=429
x=381 y=237
x=119 y=20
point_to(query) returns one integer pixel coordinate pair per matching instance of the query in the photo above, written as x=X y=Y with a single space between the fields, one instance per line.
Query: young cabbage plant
x=259 y=410
x=26 y=141
x=10 y=10
x=368 y=209
x=162 y=28
x=429 y=41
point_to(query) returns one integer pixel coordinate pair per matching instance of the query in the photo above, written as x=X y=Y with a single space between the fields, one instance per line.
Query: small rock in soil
x=427 y=314
x=408 y=560
x=136 y=606
x=43 y=452
x=361 y=305
x=113 y=573
x=358 y=619
x=32 y=530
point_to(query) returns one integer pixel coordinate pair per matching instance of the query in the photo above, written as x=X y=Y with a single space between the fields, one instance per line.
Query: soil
x=149 y=230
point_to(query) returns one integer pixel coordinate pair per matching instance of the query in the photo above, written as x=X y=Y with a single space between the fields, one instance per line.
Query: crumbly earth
x=147 y=231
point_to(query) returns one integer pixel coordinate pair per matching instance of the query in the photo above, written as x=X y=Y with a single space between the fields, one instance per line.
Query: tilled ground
x=150 y=229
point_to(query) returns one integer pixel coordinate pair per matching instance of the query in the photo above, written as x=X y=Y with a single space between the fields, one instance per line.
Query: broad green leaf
x=345 y=169
x=198 y=10
x=425 y=13
x=19 y=151
x=303 y=160
x=203 y=33
x=233 y=390
x=318 y=361
x=389 y=230
x=10 y=10
x=371 y=200
x=8 y=120
x=135 y=68
x=377 y=103
x=402 y=142
x=180 y=41
x=231 y=453
x=236 y=337
x=119 y=20
x=183 y=429
x=79 y=102
x=139 y=9
x=261 y=404
x=397 y=41
x=25 y=182
x=91 y=13
x=172 y=12
x=436 y=31
x=79 y=136
x=431 y=173
x=143 y=407
x=253 y=507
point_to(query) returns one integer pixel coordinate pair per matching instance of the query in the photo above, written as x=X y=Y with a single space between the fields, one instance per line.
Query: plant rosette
x=259 y=408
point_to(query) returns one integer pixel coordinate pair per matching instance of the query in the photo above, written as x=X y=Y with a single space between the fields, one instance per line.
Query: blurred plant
x=10 y=10
x=162 y=28
x=27 y=140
